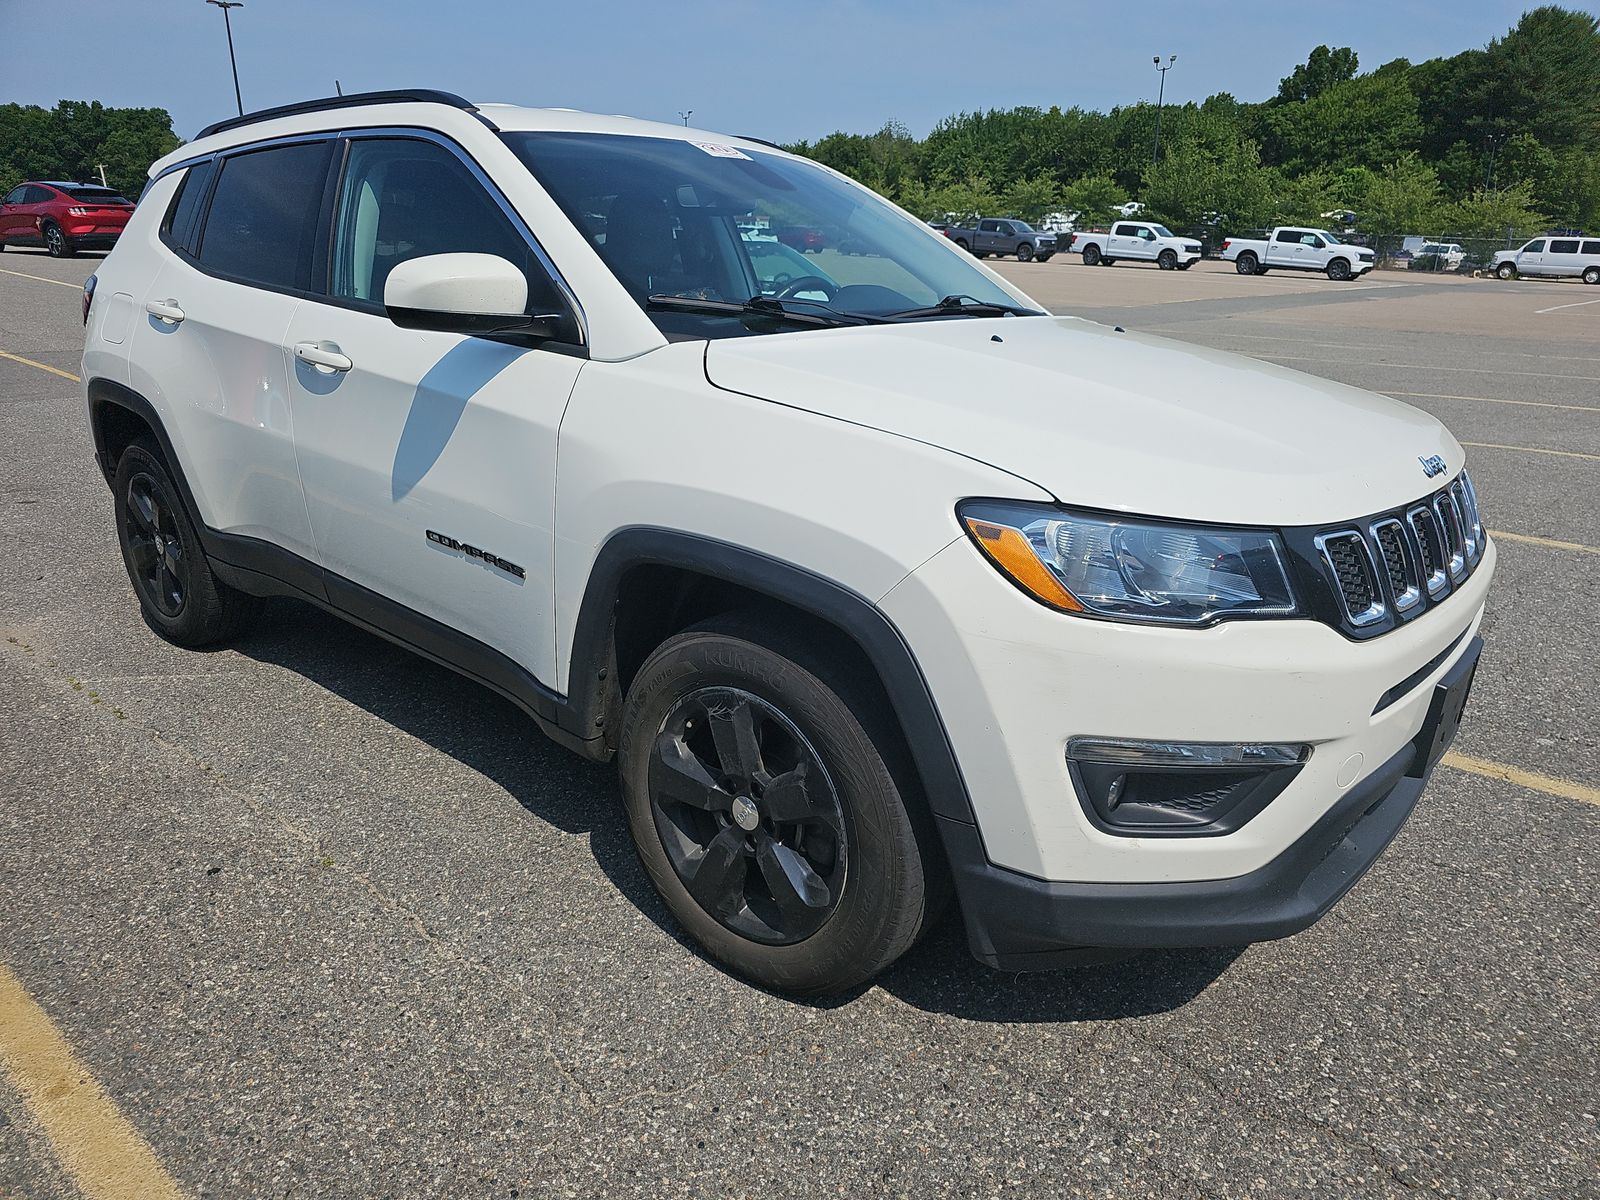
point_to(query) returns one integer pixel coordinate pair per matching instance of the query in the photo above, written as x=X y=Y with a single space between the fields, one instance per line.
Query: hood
x=1101 y=419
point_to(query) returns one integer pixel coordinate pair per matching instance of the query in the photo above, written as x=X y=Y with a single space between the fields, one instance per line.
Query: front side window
x=1534 y=247
x=1311 y=239
x=261 y=227
x=405 y=198
x=681 y=219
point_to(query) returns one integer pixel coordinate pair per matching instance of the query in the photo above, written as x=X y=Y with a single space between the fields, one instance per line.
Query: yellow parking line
x=103 y=1153
x=1548 y=543
x=43 y=279
x=1547 y=784
x=1532 y=450
x=28 y=362
x=1498 y=400
x=1399 y=366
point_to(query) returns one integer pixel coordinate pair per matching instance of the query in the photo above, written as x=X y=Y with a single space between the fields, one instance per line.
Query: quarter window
x=405 y=198
x=179 y=229
x=262 y=224
x=15 y=196
x=1591 y=247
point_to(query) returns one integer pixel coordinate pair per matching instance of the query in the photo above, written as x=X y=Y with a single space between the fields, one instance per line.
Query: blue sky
x=779 y=71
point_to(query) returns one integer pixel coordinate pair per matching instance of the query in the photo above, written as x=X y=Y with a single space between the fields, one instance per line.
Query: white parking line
x=1357 y=345
x=1498 y=400
x=1559 y=307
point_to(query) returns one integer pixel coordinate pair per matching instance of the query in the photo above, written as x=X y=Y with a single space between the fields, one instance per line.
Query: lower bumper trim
x=1018 y=923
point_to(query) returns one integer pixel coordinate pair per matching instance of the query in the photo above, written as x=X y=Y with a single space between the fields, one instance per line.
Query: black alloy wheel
x=1245 y=264
x=1168 y=261
x=1338 y=270
x=748 y=816
x=156 y=561
x=1091 y=255
x=1024 y=252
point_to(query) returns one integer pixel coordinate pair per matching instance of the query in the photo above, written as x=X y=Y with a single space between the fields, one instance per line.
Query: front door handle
x=164 y=310
x=324 y=356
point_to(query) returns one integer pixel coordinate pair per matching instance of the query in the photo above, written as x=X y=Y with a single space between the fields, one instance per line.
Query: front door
x=429 y=458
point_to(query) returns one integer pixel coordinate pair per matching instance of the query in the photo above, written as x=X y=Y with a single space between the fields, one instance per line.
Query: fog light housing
x=1179 y=789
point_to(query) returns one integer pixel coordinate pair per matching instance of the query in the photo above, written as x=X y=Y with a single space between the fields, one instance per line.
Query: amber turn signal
x=1012 y=554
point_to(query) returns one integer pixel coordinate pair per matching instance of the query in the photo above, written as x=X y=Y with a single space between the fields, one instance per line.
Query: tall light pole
x=686 y=113
x=225 y=5
x=1161 y=96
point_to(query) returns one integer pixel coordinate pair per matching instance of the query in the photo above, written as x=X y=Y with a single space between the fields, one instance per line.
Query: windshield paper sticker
x=718 y=150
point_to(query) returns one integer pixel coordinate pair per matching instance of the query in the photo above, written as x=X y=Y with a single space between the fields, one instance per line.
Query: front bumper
x=1018 y=923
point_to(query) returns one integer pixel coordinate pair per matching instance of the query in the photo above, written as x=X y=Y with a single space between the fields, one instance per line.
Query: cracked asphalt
x=325 y=920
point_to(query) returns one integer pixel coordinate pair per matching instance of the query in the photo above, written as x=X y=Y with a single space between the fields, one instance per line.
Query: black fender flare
x=853 y=615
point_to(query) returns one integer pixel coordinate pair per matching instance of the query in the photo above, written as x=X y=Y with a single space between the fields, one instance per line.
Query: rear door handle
x=165 y=310
x=324 y=356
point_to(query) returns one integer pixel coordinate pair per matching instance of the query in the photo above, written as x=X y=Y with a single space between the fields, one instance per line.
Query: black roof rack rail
x=745 y=137
x=354 y=99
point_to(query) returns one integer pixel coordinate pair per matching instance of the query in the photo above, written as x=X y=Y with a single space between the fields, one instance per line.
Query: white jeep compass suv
x=880 y=584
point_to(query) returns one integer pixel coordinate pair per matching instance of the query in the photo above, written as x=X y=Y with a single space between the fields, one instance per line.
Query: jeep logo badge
x=1432 y=465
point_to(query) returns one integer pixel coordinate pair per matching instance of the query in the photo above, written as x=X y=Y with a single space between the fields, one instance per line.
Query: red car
x=803 y=238
x=63 y=217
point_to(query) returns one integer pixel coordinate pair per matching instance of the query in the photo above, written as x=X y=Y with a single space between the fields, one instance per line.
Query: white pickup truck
x=1297 y=249
x=1142 y=241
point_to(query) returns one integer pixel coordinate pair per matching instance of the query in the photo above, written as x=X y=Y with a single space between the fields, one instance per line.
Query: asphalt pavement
x=321 y=919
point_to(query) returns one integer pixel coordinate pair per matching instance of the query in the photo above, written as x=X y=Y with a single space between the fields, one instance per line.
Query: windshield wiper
x=759 y=306
x=965 y=306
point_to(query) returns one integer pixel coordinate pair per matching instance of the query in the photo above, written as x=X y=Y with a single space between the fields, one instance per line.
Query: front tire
x=767 y=815
x=1338 y=270
x=56 y=242
x=1506 y=271
x=1024 y=252
x=1167 y=260
x=179 y=595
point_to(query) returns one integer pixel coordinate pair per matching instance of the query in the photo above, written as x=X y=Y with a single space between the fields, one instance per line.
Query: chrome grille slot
x=1404 y=576
x=1425 y=526
x=1355 y=575
x=1454 y=540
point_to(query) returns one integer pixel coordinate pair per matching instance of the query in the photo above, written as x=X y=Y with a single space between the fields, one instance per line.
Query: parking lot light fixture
x=1161 y=95
x=225 y=5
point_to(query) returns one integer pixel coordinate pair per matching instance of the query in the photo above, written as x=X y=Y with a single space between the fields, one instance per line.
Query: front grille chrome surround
x=1425 y=528
x=1355 y=572
x=1405 y=573
x=1455 y=538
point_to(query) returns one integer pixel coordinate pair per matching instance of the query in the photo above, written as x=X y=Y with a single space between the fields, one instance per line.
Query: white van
x=1552 y=257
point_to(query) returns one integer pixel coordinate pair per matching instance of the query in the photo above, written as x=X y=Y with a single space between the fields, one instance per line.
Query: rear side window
x=180 y=229
x=1591 y=247
x=1288 y=235
x=1564 y=247
x=262 y=224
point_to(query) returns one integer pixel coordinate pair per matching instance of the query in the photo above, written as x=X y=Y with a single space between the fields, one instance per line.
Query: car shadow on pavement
x=491 y=736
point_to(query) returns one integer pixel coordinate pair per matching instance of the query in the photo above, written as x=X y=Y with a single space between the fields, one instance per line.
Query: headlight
x=1130 y=569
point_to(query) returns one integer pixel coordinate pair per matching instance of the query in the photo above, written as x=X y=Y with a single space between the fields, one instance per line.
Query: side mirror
x=463 y=293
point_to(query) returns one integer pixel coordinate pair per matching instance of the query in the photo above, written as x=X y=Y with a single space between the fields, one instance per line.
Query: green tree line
x=1504 y=137
x=75 y=138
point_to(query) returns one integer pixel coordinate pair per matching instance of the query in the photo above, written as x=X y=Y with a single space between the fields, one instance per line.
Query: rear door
x=1286 y=249
x=208 y=334
x=10 y=210
x=985 y=236
x=429 y=459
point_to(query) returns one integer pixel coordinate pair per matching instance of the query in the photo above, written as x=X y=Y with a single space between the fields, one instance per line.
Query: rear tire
x=1506 y=270
x=56 y=242
x=716 y=719
x=1247 y=264
x=1091 y=255
x=1044 y=258
x=1167 y=260
x=1591 y=275
x=961 y=242
x=180 y=597
x=1024 y=252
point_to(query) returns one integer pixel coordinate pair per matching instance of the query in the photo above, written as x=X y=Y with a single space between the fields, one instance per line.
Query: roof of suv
x=380 y=108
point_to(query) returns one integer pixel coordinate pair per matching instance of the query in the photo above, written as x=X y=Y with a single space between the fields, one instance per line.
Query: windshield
x=1021 y=226
x=718 y=223
x=1328 y=237
x=1162 y=231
